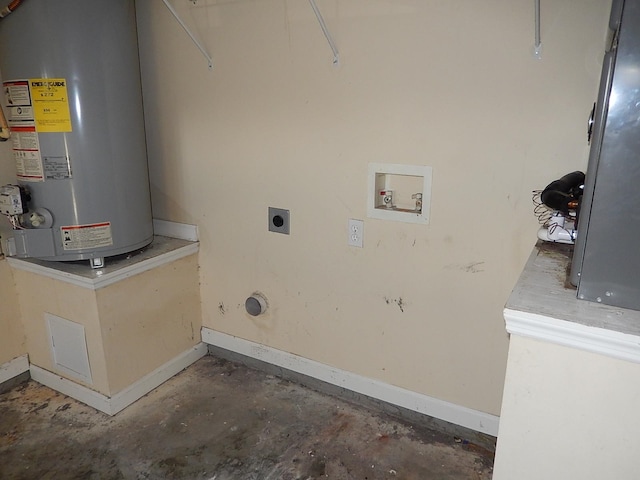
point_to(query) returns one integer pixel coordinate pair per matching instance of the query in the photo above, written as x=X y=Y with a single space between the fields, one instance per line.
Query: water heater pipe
x=10 y=8
x=5 y=133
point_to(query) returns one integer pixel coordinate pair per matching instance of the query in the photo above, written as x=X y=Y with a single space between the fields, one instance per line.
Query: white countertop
x=161 y=251
x=544 y=305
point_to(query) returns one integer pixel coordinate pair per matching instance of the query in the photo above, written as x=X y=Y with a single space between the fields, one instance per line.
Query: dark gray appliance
x=606 y=261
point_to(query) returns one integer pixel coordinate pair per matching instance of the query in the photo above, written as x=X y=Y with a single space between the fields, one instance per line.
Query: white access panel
x=69 y=347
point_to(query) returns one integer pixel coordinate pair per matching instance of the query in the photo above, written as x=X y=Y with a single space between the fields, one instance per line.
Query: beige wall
x=452 y=85
x=566 y=414
x=7 y=175
x=148 y=319
x=12 y=341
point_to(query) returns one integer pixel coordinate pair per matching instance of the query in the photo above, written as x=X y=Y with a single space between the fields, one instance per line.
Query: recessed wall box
x=399 y=192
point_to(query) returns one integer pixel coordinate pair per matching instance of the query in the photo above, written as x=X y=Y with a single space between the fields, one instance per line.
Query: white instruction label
x=26 y=147
x=94 y=235
x=16 y=93
x=19 y=115
x=57 y=168
x=26 y=154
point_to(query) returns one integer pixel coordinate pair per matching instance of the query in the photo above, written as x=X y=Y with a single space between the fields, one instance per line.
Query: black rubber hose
x=559 y=193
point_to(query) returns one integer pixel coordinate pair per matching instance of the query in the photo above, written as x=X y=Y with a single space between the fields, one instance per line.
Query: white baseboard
x=154 y=379
x=449 y=412
x=13 y=368
x=182 y=231
x=71 y=389
x=124 y=398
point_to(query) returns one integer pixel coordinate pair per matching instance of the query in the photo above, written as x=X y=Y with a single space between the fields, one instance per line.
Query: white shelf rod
x=186 y=29
x=326 y=32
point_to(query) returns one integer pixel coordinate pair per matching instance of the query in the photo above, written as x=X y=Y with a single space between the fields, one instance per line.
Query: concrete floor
x=221 y=420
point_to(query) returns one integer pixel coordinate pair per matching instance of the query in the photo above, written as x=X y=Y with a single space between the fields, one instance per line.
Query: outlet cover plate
x=355 y=232
x=279 y=220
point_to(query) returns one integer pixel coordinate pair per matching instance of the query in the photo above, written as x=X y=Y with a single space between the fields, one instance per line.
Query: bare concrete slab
x=222 y=420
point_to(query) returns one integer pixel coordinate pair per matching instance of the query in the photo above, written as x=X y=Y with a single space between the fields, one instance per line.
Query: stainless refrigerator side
x=606 y=263
x=595 y=134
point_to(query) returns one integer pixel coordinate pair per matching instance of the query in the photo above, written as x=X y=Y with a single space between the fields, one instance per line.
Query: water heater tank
x=72 y=97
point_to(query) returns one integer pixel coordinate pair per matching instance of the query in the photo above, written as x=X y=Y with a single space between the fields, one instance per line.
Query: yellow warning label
x=50 y=104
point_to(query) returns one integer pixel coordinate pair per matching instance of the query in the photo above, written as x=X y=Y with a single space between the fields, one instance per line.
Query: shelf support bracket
x=191 y=35
x=537 y=48
x=327 y=34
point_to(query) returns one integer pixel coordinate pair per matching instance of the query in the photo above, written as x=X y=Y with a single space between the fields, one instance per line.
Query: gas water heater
x=73 y=102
